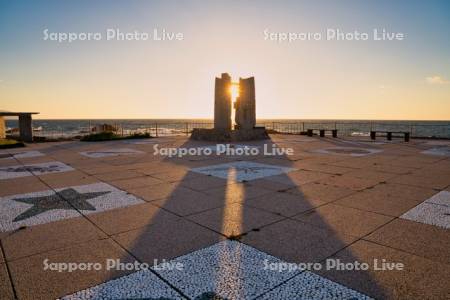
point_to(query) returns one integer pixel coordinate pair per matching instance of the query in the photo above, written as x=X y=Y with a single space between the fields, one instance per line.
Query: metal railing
x=345 y=128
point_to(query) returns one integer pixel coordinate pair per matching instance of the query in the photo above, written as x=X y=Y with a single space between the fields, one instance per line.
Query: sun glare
x=234 y=90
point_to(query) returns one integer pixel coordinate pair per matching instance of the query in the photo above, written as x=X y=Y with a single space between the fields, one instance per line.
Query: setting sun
x=234 y=90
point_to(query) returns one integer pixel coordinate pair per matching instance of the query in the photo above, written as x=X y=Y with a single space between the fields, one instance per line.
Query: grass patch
x=110 y=136
x=9 y=143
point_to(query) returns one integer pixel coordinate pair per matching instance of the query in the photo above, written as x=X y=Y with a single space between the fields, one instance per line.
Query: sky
x=405 y=79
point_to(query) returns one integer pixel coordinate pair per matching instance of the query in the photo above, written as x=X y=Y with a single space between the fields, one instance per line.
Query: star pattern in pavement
x=68 y=199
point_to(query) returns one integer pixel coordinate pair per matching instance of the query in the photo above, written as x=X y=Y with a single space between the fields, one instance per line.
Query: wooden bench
x=310 y=131
x=373 y=134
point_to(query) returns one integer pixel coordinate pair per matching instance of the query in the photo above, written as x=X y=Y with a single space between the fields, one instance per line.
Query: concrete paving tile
x=377 y=203
x=420 y=279
x=414 y=161
x=434 y=182
x=226 y=270
x=400 y=191
x=6 y=290
x=272 y=185
x=158 y=191
x=234 y=219
x=369 y=174
x=320 y=167
x=176 y=175
x=35 y=160
x=432 y=171
x=166 y=240
x=204 y=183
x=274 y=161
x=97 y=168
x=42 y=238
x=72 y=178
x=238 y=192
x=130 y=218
x=297 y=242
x=116 y=175
x=321 y=192
x=423 y=240
x=7 y=161
x=345 y=220
x=21 y=185
x=349 y=182
x=285 y=204
x=390 y=169
x=358 y=163
x=137 y=182
x=298 y=177
x=33 y=281
x=184 y=202
x=161 y=168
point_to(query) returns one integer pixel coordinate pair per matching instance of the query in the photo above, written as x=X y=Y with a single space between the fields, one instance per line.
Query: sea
x=73 y=127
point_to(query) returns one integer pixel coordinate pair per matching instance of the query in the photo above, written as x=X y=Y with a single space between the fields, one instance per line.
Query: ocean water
x=439 y=129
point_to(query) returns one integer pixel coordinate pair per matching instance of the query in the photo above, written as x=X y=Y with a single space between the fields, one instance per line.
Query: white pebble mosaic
x=110 y=152
x=36 y=169
x=242 y=170
x=69 y=202
x=140 y=285
x=348 y=151
x=226 y=270
x=438 y=151
x=308 y=286
x=433 y=211
x=24 y=154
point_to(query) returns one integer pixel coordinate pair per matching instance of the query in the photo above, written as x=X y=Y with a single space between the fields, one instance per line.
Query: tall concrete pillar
x=2 y=128
x=245 y=104
x=222 y=102
x=25 y=127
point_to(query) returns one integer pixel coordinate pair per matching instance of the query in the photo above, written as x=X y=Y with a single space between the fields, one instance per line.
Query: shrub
x=110 y=136
x=8 y=143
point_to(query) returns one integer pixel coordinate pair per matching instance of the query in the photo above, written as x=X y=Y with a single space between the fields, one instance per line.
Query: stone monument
x=245 y=113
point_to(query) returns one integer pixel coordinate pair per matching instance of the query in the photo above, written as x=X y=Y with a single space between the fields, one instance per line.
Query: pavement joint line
x=362 y=238
x=278 y=285
x=127 y=251
x=404 y=251
x=11 y=282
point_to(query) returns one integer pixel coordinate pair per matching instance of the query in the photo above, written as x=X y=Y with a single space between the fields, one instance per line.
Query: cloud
x=436 y=79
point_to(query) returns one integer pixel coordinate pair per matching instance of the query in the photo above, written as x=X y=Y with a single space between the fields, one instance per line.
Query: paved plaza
x=226 y=226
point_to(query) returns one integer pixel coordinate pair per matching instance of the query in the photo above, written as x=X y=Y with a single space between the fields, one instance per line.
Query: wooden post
x=156 y=127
